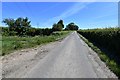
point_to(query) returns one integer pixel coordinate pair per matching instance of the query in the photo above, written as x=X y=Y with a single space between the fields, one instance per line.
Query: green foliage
x=10 y=22
x=16 y=27
x=11 y=43
x=61 y=23
x=21 y=27
x=104 y=57
x=71 y=26
x=108 y=38
x=24 y=31
x=18 y=23
x=59 y=26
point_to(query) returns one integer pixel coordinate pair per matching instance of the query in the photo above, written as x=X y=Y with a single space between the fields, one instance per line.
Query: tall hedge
x=23 y=31
x=108 y=39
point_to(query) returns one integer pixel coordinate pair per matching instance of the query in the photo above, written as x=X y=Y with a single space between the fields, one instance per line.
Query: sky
x=45 y=14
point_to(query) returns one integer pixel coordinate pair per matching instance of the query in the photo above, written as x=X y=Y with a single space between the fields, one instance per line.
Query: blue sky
x=44 y=14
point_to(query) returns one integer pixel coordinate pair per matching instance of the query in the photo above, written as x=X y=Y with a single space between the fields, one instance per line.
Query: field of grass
x=12 y=43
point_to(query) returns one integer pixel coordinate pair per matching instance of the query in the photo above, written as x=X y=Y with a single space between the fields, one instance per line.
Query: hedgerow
x=108 y=39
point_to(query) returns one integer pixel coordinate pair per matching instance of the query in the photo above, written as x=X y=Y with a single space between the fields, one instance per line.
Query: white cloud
x=71 y=11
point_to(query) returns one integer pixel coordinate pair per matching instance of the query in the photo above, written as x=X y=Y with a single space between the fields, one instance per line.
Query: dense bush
x=22 y=27
x=23 y=31
x=110 y=62
x=59 y=26
x=71 y=26
x=108 y=39
x=18 y=23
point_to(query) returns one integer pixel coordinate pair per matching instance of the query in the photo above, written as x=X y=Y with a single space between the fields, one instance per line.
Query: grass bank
x=113 y=66
x=12 y=43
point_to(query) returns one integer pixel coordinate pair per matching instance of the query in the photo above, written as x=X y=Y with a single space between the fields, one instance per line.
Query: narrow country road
x=68 y=60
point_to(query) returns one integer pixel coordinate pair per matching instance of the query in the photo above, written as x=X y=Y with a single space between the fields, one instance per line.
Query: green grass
x=12 y=43
x=0 y=47
x=109 y=62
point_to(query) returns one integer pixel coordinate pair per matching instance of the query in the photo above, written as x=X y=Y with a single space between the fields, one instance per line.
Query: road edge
x=100 y=61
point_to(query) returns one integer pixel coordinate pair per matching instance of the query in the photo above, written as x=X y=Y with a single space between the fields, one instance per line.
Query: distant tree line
x=21 y=27
x=71 y=26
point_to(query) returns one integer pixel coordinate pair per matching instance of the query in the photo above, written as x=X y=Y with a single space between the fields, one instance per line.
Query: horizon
x=86 y=15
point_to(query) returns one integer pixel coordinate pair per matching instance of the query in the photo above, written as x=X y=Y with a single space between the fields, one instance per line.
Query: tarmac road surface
x=67 y=60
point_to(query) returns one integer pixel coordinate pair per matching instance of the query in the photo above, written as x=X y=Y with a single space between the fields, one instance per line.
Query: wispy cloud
x=105 y=16
x=71 y=11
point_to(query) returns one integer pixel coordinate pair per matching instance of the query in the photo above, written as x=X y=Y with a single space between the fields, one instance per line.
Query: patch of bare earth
x=19 y=62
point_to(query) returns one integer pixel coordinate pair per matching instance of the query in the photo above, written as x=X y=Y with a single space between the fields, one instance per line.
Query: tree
x=59 y=26
x=10 y=22
x=22 y=22
x=61 y=23
x=20 y=25
x=19 y=22
x=26 y=23
x=54 y=28
x=71 y=26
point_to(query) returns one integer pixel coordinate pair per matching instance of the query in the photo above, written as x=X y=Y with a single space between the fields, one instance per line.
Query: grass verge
x=112 y=65
x=12 y=43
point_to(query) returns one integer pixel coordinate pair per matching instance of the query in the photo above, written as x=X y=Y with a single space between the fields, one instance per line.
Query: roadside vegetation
x=20 y=34
x=11 y=43
x=105 y=42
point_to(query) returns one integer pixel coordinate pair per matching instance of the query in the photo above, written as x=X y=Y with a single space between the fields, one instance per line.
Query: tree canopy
x=71 y=26
x=19 y=22
x=18 y=26
x=59 y=26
